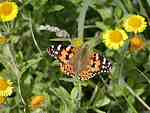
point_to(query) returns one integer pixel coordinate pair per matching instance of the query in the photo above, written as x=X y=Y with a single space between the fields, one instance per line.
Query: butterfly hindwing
x=93 y=67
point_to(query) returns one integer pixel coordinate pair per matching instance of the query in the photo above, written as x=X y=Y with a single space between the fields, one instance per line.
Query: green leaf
x=76 y=1
x=146 y=67
x=30 y=63
x=139 y=89
x=102 y=102
x=63 y=92
x=118 y=12
x=37 y=4
x=98 y=111
x=131 y=107
x=14 y=39
x=148 y=1
x=101 y=25
x=105 y=12
x=147 y=44
x=64 y=108
x=121 y=5
x=129 y=5
x=56 y=8
x=118 y=90
x=66 y=105
x=28 y=80
x=142 y=9
x=74 y=93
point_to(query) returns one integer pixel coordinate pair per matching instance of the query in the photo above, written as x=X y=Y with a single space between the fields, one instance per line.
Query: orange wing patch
x=67 y=69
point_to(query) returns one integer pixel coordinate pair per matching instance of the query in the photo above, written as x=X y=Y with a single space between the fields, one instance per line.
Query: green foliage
x=26 y=63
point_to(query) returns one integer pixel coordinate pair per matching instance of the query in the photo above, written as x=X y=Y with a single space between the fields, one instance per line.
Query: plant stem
x=33 y=37
x=16 y=71
x=148 y=80
x=138 y=97
x=94 y=94
x=77 y=83
x=81 y=18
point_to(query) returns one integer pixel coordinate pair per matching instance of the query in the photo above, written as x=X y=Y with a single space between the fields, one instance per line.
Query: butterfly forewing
x=63 y=54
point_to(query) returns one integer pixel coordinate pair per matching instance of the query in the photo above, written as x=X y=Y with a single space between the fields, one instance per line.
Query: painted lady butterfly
x=75 y=61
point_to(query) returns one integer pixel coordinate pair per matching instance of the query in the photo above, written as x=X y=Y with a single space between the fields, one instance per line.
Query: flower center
x=6 y=9
x=116 y=36
x=3 y=84
x=134 y=22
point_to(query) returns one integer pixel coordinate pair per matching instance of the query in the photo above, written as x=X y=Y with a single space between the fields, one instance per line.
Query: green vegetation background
x=25 y=60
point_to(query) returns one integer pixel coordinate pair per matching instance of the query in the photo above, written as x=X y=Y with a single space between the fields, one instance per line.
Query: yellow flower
x=3 y=40
x=114 y=39
x=37 y=102
x=136 y=43
x=77 y=42
x=8 y=11
x=6 y=88
x=2 y=99
x=135 y=23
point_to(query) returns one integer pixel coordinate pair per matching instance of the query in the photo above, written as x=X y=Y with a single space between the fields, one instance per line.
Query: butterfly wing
x=97 y=64
x=64 y=55
x=90 y=65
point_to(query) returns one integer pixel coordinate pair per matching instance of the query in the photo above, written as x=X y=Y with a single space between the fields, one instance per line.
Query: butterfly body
x=77 y=61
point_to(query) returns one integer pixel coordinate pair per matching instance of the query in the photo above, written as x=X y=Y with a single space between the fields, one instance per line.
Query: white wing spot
x=104 y=60
x=59 y=47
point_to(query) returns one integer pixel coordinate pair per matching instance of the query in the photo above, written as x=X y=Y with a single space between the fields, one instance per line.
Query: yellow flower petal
x=6 y=88
x=114 y=39
x=135 y=23
x=8 y=11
